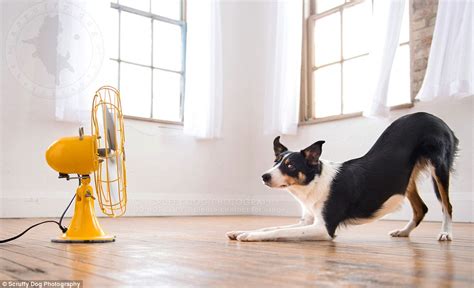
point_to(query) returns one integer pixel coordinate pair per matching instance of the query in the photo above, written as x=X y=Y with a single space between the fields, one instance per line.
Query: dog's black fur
x=362 y=185
x=386 y=169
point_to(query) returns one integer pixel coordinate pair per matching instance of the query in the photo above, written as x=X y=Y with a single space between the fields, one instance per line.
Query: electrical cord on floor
x=63 y=228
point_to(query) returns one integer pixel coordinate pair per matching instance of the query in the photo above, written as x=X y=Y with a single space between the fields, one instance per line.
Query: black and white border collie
x=363 y=189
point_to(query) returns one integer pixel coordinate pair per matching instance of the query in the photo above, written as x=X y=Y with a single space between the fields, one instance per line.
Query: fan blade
x=113 y=174
x=111 y=136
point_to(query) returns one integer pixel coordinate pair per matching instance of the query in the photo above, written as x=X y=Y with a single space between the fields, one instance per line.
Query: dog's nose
x=266 y=177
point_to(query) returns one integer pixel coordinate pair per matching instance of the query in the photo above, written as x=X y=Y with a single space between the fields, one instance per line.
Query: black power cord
x=64 y=229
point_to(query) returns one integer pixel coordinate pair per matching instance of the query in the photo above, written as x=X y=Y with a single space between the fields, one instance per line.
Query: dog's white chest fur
x=312 y=196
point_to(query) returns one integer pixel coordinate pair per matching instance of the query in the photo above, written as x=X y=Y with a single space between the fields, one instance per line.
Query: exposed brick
x=415 y=87
x=422 y=47
x=418 y=75
x=420 y=53
x=426 y=42
x=420 y=64
x=421 y=13
x=423 y=33
x=423 y=19
x=431 y=21
x=417 y=4
x=415 y=25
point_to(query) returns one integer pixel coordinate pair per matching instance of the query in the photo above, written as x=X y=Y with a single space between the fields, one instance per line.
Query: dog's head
x=293 y=168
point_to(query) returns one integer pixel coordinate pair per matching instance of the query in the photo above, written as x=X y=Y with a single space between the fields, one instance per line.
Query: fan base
x=103 y=239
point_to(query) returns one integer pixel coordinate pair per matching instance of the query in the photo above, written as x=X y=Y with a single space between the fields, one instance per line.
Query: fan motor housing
x=73 y=155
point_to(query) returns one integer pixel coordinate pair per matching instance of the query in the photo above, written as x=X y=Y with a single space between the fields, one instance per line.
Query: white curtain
x=85 y=36
x=203 y=100
x=386 y=25
x=449 y=70
x=282 y=93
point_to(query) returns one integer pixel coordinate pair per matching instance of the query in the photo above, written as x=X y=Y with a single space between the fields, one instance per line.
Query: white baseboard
x=49 y=207
x=53 y=207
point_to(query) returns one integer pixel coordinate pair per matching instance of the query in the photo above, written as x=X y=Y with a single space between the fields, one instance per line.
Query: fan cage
x=111 y=185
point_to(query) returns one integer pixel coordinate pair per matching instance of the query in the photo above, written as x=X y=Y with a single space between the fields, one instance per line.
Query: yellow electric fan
x=101 y=153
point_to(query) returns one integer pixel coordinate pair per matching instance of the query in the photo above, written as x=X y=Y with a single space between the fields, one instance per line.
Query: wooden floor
x=193 y=251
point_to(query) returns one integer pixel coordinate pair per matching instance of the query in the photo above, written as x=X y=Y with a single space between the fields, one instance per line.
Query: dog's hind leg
x=440 y=177
x=418 y=206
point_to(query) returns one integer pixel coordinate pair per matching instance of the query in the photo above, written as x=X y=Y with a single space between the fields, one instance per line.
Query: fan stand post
x=84 y=226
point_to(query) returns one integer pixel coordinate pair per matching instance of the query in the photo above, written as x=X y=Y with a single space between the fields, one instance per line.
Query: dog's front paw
x=232 y=235
x=445 y=236
x=399 y=233
x=250 y=237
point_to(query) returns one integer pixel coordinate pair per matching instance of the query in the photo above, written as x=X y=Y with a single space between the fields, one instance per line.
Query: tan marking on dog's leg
x=446 y=233
x=444 y=196
x=418 y=206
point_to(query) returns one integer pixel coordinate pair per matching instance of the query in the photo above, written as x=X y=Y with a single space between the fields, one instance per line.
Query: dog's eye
x=291 y=167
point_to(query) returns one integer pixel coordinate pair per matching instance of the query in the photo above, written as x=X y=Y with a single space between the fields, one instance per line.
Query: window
x=150 y=58
x=338 y=49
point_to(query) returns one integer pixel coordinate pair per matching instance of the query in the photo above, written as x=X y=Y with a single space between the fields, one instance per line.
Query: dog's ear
x=278 y=148
x=313 y=152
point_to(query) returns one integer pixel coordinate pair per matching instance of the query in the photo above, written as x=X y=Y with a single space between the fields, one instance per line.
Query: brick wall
x=422 y=21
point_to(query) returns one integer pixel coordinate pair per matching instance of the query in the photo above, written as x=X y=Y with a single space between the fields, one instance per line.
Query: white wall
x=168 y=173
x=172 y=174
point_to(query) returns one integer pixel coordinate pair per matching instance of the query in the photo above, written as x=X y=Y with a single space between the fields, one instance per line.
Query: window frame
x=182 y=72
x=307 y=113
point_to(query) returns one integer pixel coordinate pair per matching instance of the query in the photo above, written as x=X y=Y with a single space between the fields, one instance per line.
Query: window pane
x=324 y=5
x=327 y=39
x=135 y=38
x=327 y=91
x=135 y=89
x=167 y=8
x=167 y=45
x=399 y=86
x=166 y=95
x=143 y=5
x=355 y=92
x=111 y=73
x=405 y=30
x=356 y=27
x=111 y=38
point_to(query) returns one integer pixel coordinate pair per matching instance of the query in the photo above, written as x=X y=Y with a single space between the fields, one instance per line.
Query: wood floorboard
x=193 y=251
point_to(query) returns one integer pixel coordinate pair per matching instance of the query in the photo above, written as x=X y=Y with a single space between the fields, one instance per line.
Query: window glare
x=143 y=5
x=354 y=88
x=356 y=27
x=111 y=69
x=327 y=45
x=167 y=8
x=327 y=39
x=147 y=57
x=399 y=85
x=324 y=5
x=327 y=90
x=166 y=95
x=135 y=38
x=112 y=36
x=167 y=46
x=405 y=29
x=135 y=89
